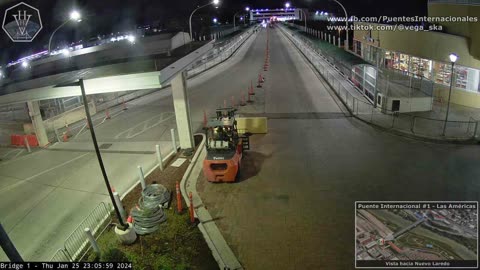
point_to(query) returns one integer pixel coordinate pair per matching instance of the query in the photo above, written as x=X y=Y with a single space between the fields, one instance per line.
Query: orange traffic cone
x=65 y=137
x=249 y=99
x=179 y=198
x=243 y=101
x=192 y=214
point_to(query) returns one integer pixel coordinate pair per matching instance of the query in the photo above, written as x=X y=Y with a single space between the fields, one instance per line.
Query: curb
x=221 y=251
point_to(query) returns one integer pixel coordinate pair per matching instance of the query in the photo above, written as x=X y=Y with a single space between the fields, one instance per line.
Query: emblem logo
x=22 y=22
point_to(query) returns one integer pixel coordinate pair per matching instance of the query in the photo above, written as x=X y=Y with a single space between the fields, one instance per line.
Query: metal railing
x=360 y=108
x=219 y=55
x=76 y=245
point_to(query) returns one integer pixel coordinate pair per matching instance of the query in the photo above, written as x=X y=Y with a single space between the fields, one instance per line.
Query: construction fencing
x=362 y=109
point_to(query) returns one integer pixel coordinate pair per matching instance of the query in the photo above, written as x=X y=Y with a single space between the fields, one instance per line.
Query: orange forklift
x=224 y=147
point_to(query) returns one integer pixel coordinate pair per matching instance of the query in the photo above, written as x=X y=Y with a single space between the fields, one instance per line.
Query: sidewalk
x=429 y=125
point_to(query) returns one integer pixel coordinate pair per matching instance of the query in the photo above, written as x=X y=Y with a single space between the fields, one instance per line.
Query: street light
x=305 y=17
x=122 y=225
x=66 y=52
x=214 y=2
x=235 y=16
x=131 y=38
x=287 y=5
x=346 y=22
x=74 y=16
x=453 y=58
x=215 y=20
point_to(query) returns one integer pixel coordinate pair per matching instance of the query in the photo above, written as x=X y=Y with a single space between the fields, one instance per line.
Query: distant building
x=373 y=252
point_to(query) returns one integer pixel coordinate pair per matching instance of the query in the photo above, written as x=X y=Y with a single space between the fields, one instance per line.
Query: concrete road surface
x=294 y=205
x=46 y=194
x=294 y=208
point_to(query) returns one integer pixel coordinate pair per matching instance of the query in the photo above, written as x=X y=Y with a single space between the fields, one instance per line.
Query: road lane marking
x=41 y=173
x=145 y=125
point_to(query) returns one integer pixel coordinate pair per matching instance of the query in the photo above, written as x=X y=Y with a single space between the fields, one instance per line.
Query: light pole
x=287 y=6
x=453 y=58
x=346 y=23
x=235 y=15
x=214 y=2
x=305 y=17
x=74 y=16
x=122 y=225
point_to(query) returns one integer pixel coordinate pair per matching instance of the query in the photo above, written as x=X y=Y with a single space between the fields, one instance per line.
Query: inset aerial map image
x=425 y=234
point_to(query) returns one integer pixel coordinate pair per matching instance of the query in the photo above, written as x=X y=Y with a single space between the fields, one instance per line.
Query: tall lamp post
x=453 y=58
x=214 y=2
x=247 y=9
x=122 y=225
x=74 y=16
x=305 y=17
x=346 y=23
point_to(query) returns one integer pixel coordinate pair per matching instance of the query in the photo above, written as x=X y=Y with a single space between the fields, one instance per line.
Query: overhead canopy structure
x=108 y=84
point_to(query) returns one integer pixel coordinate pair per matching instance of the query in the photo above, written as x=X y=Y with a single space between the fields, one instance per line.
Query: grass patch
x=177 y=245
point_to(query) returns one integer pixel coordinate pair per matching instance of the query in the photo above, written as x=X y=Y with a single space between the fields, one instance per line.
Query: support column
x=37 y=122
x=182 y=111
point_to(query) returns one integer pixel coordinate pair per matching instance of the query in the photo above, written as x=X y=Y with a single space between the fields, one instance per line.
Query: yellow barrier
x=255 y=125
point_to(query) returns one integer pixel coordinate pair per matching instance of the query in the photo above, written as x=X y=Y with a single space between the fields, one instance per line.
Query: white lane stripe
x=55 y=167
x=41 y=173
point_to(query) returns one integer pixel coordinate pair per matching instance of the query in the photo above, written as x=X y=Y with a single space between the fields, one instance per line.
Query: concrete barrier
x=68 y=117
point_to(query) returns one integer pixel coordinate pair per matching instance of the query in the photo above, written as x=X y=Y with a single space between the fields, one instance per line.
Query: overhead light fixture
x=453 y=57
x=75 y=16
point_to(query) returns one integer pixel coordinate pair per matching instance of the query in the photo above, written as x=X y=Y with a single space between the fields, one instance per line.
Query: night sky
x=106 y=16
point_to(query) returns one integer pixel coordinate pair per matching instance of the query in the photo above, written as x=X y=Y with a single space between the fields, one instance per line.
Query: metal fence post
x=142 y=177
x=159 y=157
x=120 y=206
x=27 y=144
x=92 y=241
x=174 y=142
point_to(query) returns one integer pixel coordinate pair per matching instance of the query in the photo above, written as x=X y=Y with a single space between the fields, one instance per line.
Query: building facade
x=423 y=53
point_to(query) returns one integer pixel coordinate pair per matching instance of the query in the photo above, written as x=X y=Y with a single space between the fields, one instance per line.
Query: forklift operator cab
x=224 y=148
